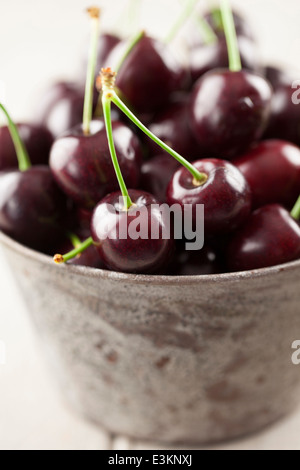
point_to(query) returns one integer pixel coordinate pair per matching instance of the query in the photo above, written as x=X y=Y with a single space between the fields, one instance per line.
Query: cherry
x=229 y=111
x=82 y=166
x=270 y=237
x=272 y=169
x=285 y=114
x=148 y=75
x=156 y=175
x=211 y=56
x=31 y=207
x=37 y=140
x=225 y=194
x=61 y=107
x=142 y=255
x=195 y=263
x=171 y=126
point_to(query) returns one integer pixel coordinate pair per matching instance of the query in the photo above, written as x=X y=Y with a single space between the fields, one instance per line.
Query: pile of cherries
x=220 y=130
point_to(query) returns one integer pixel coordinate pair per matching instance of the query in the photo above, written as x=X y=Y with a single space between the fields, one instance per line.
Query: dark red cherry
x=141 y=255
x=37 y=140
x=195 y=263
x=84 y=218
x=61 y=107
x=148 y=76
x=82 y=166
x=156 y=175
x=172 y=127
x=226 y=195
x=270 y=237
x=32 y=207
x=272 y=169
x=229 y=111
x=204 y=58
x=90 y=257
x=285 y=114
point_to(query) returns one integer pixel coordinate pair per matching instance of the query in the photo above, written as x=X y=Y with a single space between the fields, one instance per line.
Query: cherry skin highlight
x=272 y=169
x=141 y=256
x=61 y=107
x=226 y=195
x=82 y=166
x=229 y=111
x=270 y=237
x=156 y=175
x=37 y=140
x=32 y=208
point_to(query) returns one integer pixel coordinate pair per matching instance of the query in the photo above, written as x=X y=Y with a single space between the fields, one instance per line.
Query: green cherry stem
x=296 y=210
x=235 y=64
x=59 y=259
x=106 y=102
x=131 y=45
x=184 y=16
x=94 y=14
x=106 y=82
x=208 y=34
x=74 y=239
x=22 y=154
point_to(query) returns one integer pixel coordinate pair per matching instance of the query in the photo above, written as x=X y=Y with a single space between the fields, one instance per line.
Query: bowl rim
x=146 y=279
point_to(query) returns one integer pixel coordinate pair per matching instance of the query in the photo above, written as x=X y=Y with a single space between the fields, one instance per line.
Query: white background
x=39 y=42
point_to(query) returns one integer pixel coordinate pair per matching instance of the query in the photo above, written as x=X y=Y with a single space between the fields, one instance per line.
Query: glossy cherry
x=148 y=76
x=32 y=207
x=270 y=237
x=61 y=107
x=285 y=114
x=229 y=111
x=195 y=263
x=107 y=42
x=81 y=164
x=226 y=195
x=37 y=140
x=171 y=126
x=156 y=175
x=207 y=57
x=272 y=169
x=130 y=255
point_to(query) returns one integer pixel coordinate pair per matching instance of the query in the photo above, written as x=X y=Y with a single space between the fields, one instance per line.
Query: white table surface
x=34 y=48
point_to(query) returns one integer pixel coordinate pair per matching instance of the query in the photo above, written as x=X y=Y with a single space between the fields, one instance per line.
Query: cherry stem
x=74 y=239
x=296 y=210
x=106 y=103
x=59 y=259
x=22 y=154
x=234 y=57
x=131 y=45
x=184 y=16
x=106 y=81
x=208 y=34
x=94 y=14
